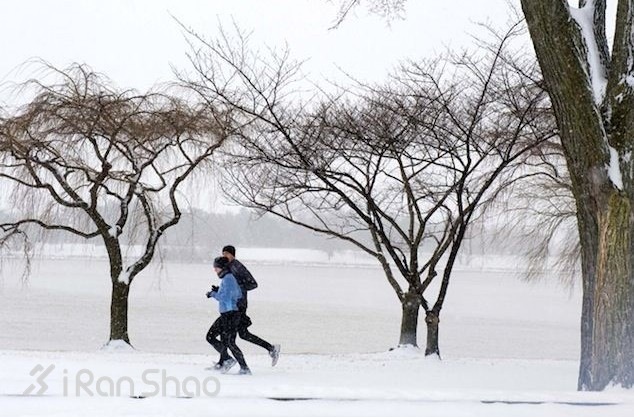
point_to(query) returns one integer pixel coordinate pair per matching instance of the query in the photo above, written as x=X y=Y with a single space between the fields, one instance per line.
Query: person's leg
x=235 y=350
x=224 y=355
x=213 y=338
x=230 y=340
x=243 y=332
x=246 y=335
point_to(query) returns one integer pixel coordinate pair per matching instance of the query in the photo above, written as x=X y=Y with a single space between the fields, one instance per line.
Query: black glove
x=209 y=294
x=215 y=288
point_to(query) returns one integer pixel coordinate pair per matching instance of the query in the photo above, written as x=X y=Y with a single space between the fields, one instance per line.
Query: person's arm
x=214 y=289
x=234 y=268
x=222 y=292
x=241 y=272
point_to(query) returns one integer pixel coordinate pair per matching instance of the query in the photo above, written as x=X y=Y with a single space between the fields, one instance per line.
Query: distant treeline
x=201 y=234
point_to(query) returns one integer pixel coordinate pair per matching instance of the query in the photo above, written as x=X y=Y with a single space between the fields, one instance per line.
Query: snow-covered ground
x=509 y=347
x=396 y=383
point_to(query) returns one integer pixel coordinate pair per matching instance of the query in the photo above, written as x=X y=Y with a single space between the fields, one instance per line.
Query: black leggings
x=226 y=326
x=245 y=334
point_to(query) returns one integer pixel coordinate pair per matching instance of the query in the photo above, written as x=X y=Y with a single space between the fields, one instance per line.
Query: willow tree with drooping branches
x=85 y=158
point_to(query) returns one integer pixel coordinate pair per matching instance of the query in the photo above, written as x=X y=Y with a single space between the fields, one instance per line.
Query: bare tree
x=591 y=88
x=538 y=209
x=85 y=158
x=399 y=170
x=389 y=9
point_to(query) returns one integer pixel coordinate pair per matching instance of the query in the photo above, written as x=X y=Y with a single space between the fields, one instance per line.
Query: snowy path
x=395 y=383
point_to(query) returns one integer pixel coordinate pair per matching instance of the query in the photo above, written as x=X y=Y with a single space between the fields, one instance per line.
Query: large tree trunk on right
x=589 y=238
x=613 y=333
x=588 y=126
x=607 y=336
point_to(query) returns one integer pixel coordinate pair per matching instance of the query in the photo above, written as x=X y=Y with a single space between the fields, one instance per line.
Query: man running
x=226 y=326
x=246 y=283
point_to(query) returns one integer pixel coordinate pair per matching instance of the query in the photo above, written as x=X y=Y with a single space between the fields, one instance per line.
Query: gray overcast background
x=135 y=41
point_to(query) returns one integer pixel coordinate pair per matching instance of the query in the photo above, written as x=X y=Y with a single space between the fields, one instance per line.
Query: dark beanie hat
x=230 y=249
x=221 y=262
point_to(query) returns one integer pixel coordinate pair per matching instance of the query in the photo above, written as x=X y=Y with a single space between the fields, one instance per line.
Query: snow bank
x=115 y=346
x=305 y=385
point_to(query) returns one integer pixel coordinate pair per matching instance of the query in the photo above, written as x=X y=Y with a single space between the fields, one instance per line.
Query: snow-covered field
x=509 y=347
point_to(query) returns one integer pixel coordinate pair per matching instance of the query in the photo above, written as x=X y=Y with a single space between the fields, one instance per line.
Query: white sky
x=135 y=41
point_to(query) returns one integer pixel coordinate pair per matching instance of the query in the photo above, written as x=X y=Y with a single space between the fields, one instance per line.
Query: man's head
x=229 y=252
x=220 y=263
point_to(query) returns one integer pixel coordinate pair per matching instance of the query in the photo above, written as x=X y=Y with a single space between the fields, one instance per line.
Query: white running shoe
x=275 y=354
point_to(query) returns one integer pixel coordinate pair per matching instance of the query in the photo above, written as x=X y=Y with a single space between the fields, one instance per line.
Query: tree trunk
x=592 y=128
x=432 y=320
x=589 y=237
x=613 y=338
x=119 y=311
x=120 y=291
x=409 y=321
